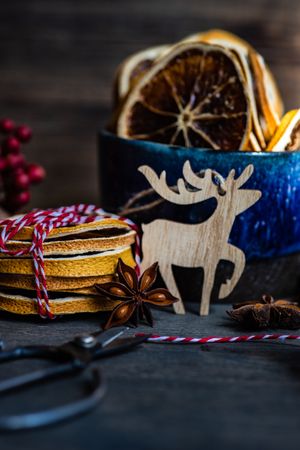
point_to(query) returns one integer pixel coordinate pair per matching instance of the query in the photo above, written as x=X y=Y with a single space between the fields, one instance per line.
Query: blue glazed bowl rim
x=158 y=147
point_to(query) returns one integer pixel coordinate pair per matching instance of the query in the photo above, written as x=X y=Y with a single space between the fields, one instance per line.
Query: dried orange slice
x=253 y=144
x=268 y=98
x=194 y=96
x=287 y=136
x=216 y=35
x=241 y=48
x=273 y=92
x=133 y=67
x=267 y=95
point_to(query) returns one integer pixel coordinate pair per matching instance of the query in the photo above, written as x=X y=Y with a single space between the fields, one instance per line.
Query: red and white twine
x=157 y=339
x=43 y=222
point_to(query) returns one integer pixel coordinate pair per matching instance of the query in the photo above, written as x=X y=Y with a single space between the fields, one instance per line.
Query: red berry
x=2 y=164
x=11 y=145
x=20 y=199
x=14 y=161
x=36 y=173
x=23 y=133
x=21 y=180
x=7 y=126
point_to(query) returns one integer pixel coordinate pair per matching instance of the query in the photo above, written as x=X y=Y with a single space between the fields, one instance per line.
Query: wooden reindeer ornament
x=198 y=245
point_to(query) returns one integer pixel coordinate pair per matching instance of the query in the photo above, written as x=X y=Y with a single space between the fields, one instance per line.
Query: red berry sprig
x=16 y=174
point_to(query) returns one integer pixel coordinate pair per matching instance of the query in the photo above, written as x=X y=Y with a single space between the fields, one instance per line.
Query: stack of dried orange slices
x=210 y=90
x=76 y=258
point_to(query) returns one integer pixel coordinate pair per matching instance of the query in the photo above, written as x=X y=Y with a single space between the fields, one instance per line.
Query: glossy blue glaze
x=269 y=228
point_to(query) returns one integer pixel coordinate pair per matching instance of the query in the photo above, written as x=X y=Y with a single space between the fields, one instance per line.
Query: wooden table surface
x=229 y=396
x=58 y=58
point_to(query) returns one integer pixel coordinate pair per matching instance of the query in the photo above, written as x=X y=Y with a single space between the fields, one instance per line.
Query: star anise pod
x=135 y=296
x=267 y=313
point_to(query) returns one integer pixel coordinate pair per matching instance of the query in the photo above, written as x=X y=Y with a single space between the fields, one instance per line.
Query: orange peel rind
x=287 y=136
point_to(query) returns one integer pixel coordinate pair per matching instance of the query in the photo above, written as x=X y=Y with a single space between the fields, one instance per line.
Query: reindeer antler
x=245 y=175
x=195 y=180
x=183 y=196
x=205 y=179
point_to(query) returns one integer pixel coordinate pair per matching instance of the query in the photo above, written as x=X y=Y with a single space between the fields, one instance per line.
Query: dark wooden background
x=58 y=57
x=57 y=60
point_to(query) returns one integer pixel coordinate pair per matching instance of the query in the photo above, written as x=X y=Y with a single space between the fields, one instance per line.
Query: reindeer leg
x=149 y=251
x=237 y=257
x=208 y=284
x=145 y=264
x=150 y=255
x=168 y=277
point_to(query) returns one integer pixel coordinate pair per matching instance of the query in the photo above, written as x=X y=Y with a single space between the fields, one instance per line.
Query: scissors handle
x=39 y=351
x=38 y=375
x=72 y=357
x=60 y=413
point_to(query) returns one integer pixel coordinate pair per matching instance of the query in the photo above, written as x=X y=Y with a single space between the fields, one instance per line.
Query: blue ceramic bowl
x=270 y=228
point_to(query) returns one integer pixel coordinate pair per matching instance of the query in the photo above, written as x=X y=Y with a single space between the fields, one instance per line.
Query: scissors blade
x=105 y=338
x=119 y=345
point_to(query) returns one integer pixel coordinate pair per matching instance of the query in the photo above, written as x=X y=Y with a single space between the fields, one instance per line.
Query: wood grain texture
x=174 y=243
x=223 y=396
x=58 y=59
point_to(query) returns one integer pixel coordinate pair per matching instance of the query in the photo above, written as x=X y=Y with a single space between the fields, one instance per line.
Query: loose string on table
x=43 y=222
x=157 y=339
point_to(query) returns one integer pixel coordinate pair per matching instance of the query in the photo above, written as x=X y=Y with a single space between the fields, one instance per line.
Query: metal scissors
x=71 y=357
